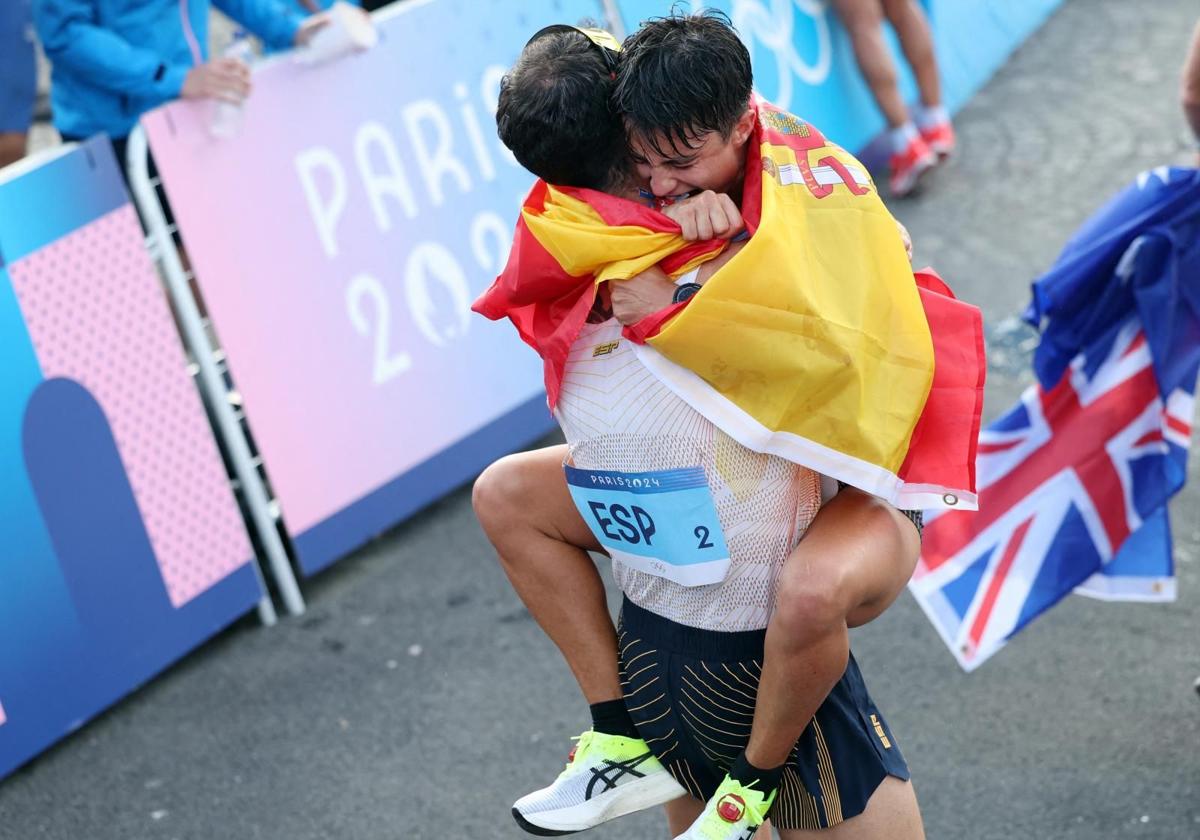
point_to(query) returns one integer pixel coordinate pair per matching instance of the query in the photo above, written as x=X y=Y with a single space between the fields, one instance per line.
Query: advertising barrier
x=121 y=544
x=339 y=238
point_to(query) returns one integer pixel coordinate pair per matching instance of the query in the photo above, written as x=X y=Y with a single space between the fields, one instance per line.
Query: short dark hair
x=684 y=76
x=556 y=113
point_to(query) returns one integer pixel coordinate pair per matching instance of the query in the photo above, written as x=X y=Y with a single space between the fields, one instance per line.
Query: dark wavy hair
x=556 y=113
x=683 y=76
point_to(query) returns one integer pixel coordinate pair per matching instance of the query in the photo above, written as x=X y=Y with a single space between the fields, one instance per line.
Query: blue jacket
x=113 y=60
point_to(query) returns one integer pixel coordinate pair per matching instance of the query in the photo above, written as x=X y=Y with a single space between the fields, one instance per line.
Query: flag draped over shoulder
x=567 y=242
x=813 y=342
x=1074 y=480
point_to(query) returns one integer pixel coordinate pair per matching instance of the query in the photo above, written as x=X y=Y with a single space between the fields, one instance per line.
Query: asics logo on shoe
x=618 y=769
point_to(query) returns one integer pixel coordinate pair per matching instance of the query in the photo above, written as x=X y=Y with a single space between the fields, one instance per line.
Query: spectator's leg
x=863 y=20
x=916 y=40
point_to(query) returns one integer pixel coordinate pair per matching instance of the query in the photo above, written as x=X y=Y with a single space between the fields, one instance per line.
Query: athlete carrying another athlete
x=731 y=643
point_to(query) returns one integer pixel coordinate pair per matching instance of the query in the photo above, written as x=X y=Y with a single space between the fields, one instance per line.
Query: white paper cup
x=349 y=29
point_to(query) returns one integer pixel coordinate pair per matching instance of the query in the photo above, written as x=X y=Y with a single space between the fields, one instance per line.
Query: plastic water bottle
x=226 y=116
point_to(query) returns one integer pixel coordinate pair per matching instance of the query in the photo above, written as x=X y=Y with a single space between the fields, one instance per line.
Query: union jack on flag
x=1074 y=480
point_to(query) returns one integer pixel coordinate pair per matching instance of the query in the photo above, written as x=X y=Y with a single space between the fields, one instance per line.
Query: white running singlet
x=617 y=416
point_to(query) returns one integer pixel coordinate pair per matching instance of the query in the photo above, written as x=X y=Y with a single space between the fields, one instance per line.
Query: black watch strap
x=684 y=291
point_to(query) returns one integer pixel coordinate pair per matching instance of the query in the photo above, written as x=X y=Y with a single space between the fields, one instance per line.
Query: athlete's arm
x=652 y=290
x=641 y=295
x=706 y=215
x=905 y=238
x=710 y=215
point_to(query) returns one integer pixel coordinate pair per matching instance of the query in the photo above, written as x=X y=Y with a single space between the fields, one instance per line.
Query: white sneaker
x=607 y=776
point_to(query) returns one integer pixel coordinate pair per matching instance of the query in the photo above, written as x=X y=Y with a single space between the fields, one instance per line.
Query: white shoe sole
x=626 y=799
x=906 y=185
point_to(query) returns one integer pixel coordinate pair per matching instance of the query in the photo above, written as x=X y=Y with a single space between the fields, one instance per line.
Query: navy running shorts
x=691 y=693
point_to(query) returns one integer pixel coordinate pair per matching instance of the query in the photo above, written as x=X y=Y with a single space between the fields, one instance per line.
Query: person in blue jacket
x=18 y=79
x=114 y=60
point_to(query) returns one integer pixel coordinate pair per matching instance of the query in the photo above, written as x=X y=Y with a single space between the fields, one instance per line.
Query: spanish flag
x=815 y=342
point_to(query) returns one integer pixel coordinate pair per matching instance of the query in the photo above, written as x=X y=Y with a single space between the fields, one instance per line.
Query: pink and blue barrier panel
x=122 y=547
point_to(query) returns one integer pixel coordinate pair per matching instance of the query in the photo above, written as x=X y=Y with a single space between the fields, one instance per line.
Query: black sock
x=763 y=780
x=612 y=718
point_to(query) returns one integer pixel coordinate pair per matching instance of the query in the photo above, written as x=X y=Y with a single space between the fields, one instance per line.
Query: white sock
x=935 y=115
x=902 y=136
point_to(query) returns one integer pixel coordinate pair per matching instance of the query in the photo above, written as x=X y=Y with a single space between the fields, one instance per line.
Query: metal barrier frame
x=161 y=245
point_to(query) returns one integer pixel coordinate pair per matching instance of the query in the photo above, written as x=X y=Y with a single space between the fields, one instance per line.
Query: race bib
x=663 y=523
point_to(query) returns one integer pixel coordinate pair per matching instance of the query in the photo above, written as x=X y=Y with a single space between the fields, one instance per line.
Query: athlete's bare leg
x=526 y=511
x=681 y=813
x=856 y=557
x=891 y=814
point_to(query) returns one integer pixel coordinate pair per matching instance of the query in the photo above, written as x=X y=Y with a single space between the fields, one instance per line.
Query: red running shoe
x=908 y=166
x=939 y=138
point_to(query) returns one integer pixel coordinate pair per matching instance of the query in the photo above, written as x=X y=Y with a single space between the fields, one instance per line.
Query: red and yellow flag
x=813 y=343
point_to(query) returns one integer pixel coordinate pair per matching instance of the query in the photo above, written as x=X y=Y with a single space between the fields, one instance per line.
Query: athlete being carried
x=732 y=673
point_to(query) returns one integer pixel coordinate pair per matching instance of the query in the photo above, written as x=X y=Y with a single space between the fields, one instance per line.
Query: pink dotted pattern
x=97 y=314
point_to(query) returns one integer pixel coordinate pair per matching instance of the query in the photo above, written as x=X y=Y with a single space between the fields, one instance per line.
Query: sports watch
x=684 y=291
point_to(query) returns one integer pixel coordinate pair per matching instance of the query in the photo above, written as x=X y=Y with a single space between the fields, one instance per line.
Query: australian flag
x=1075 y=478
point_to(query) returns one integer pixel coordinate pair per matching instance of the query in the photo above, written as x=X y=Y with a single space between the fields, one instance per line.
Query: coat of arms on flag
x=1075 y=478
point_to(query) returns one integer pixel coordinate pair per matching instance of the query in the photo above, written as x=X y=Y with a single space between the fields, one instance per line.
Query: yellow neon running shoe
x=734 y=813
x=607 y=776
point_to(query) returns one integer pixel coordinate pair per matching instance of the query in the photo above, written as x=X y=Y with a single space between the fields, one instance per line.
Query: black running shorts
x=691 y=693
